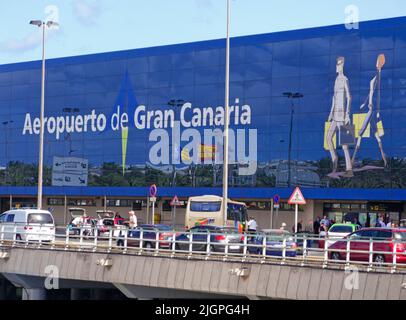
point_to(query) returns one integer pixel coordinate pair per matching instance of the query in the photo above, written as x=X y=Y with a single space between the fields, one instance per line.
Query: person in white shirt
x=80 y=221
x=252 y=225
x=133 y=219
x=340 y=116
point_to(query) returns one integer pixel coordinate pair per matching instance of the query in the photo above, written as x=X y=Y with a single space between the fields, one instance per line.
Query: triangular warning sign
x=175 y=201
x=297 y=197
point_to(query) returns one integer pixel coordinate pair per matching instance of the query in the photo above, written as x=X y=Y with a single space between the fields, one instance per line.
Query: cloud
x=87 y=12
x=205 y=3
x=27 y=43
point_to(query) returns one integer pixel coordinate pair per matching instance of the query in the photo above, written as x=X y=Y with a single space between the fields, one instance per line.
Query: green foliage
x=111 y=175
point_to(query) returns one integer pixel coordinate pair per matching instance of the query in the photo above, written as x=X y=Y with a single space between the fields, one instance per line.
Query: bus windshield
x=236 y=212
x=196 y=206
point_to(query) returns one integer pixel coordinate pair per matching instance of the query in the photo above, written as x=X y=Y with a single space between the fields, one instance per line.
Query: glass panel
x=205 y=206
x=341 y=229
x=41 y=218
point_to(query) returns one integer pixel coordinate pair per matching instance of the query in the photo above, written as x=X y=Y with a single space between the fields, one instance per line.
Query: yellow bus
x=207 y=210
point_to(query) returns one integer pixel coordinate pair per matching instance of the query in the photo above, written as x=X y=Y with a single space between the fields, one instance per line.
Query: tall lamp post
x=43 y=24
x=68 y=136
x=226 y=116
x=292 y=96
x=6 y=123
x=175 y=103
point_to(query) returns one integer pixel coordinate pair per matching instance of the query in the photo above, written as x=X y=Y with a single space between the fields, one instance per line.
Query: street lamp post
x=175 y=103
x=292 y=96
x=6 y=123
x=42 y=24
x=226 y=116
x=68 y=136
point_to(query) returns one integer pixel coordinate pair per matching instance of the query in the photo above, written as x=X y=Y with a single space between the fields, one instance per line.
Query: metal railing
x=304 y=250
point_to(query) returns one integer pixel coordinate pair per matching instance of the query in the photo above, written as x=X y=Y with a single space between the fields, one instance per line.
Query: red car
x=377 y=234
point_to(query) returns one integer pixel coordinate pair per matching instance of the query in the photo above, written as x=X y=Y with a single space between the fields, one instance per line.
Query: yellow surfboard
x=326 y=128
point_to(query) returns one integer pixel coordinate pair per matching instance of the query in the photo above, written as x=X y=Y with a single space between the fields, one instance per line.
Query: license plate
x=234 y=247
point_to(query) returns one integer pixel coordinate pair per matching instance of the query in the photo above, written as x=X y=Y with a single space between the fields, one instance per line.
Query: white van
x=27 y=225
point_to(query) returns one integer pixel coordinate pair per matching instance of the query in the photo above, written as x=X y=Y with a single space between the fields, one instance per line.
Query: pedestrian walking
x=252 y=225
x=132 y=219
x=316 y=226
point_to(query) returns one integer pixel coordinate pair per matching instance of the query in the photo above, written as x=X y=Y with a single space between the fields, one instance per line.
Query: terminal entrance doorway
x=366 y=213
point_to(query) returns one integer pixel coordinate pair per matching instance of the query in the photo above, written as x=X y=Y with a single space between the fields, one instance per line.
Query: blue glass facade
x=94 y=88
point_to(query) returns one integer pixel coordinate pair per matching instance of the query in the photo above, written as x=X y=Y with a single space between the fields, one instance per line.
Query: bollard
x=208 y=246
x=190 y=244
x=245 y=246
x=125 y=241
x=141 y=241
x=347 y=253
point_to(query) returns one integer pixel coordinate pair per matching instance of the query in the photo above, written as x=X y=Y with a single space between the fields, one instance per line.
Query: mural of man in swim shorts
x=340 y=116
x=373 y=116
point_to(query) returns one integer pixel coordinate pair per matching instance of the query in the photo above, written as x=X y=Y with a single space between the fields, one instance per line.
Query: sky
x=94 y=26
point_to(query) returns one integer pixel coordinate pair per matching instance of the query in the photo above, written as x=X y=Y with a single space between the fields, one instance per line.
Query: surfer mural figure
x=340 y=116
x=373 y=117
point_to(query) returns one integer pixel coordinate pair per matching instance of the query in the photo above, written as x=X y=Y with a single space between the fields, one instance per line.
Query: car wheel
x=18 y=237
x=379 y=259
x=120 y=243
x=335 y=256
x=148 y=245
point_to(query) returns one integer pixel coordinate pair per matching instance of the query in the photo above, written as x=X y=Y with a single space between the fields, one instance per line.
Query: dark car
x=218 y=236
x=383 y=244
x=274 y=243
x=310 y=238
x=149 y=236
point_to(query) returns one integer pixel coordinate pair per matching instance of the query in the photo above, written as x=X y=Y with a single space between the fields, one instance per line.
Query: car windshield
x=230 y=230
x=42 y=218
x=277 y=236
x=164 y=228
x=341 y=229
x=108 y=222
x=400 y=236
x=145 y=227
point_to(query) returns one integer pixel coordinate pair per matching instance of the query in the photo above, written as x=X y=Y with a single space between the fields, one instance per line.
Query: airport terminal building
x=119 y=122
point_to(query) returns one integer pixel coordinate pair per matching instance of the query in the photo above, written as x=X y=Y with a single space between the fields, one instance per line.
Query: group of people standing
x=131 y=222
x=322 y=225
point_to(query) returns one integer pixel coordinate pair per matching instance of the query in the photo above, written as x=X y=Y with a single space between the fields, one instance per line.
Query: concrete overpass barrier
x=181 y=277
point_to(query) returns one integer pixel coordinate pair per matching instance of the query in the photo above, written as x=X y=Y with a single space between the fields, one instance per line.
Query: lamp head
x=52 y=24
x=37 y=23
